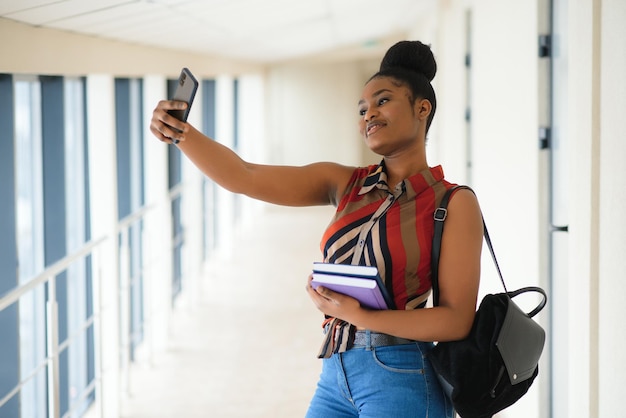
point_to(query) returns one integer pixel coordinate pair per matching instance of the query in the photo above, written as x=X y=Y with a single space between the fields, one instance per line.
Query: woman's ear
x=422 y=108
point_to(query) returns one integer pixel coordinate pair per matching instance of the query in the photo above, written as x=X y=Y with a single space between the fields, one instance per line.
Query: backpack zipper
x=498 y=379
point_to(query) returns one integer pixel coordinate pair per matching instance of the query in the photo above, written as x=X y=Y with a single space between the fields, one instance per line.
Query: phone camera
x=182 y=79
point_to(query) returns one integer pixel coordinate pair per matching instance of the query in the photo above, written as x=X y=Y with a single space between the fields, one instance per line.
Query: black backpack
x=497 y=363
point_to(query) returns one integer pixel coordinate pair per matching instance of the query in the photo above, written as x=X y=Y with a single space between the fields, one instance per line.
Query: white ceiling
x=258 y=30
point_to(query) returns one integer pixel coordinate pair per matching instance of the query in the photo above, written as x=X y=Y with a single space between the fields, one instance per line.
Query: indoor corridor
x=243 y=344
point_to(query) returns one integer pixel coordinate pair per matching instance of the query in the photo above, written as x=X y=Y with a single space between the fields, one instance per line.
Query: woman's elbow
x=463 y=326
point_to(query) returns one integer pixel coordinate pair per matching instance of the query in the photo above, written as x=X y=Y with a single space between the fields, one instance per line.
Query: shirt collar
x=377 y=179
x=413 y=186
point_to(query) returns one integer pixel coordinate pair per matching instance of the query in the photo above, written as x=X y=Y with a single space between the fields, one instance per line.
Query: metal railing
x=51 y=361
x=126 y=332
x=48 y=278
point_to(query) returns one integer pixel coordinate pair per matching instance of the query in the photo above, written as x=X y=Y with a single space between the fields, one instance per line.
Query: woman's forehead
x=379 y=84
x=380 y=81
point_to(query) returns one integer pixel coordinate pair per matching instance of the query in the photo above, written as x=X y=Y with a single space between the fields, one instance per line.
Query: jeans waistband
x=366 y=338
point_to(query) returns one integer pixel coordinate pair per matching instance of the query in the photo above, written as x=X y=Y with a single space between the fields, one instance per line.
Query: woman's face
x=388 y=121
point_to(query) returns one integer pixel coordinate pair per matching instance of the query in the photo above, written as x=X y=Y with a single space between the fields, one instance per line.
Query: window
x=9 y=343
x=79 y=310
x=30 y=243
x=209 y=189
x=130 y=155
x=175 y=179
x=52 y=222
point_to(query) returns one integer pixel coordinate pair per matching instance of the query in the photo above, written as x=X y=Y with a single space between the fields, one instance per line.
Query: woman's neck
x=399 y=168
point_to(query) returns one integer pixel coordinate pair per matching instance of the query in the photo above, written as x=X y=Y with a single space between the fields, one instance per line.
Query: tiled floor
x=247 y=347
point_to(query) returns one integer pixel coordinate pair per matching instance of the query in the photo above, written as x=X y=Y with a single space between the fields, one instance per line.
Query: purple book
x=361 y=282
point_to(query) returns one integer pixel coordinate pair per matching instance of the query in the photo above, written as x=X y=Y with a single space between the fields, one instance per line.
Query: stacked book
x=360 y=282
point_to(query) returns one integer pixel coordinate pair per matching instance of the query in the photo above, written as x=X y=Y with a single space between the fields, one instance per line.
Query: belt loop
x=368 y=340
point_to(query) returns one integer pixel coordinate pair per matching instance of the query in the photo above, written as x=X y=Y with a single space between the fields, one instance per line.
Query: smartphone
x=185 y=92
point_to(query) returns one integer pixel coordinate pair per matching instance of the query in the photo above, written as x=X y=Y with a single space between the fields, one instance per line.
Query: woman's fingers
x=324 y=298
x=163 y=132
x=166 y=127
x=328 y=294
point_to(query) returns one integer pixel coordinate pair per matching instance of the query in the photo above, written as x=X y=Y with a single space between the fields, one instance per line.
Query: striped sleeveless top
x=397 y=239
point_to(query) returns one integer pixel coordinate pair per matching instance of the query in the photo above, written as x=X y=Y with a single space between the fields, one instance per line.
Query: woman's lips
x=373 y=127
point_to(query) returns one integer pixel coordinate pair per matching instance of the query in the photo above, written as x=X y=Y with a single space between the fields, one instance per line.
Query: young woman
x=374 y=362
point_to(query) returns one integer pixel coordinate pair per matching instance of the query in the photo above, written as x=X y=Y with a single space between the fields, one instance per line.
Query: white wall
x=448 y=142
x=158 y=224
x=253 y=147
x=584 y=90
x=103 y=178
x=505 y=168
x=224 y=132
x=597 y=198
x=612 y=204
x=314 y=114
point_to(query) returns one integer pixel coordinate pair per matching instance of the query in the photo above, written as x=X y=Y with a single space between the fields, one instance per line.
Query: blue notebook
x=361 y=282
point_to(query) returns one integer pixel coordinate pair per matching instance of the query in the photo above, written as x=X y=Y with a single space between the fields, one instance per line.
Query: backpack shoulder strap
x=440 y=216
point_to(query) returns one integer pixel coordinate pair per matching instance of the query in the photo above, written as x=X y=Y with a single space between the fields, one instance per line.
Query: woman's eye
x=380 y=102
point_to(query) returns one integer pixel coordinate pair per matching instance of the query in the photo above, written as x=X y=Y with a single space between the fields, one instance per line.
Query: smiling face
x=389 y=120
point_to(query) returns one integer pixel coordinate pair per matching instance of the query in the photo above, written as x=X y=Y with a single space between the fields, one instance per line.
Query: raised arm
x=314 y=184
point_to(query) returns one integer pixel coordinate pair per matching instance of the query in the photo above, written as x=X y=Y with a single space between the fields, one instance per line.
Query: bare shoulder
x=464 y=211
x=464 y=199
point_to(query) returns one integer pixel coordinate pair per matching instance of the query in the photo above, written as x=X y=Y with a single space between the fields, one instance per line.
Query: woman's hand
x=165 y=126
x=334 y=304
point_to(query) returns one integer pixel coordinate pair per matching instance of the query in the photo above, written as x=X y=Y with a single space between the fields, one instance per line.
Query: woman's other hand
x=332 y=303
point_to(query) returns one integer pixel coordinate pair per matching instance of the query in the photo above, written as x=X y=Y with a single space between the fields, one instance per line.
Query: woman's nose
x=369 y=115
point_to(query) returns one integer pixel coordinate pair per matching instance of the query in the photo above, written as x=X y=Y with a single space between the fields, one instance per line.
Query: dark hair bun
x=412 y=56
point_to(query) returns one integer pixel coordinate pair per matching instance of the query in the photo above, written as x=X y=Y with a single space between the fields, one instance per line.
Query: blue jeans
x=379 y=382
